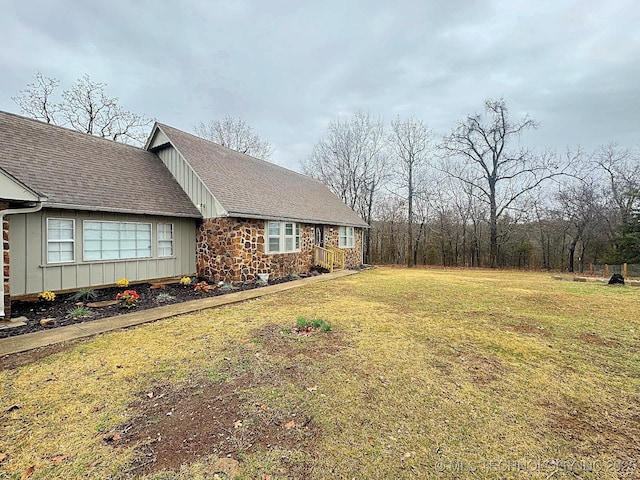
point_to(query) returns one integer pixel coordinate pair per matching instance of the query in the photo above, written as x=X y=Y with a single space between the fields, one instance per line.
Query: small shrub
x=85 y=295
x=186 y=281
x=123 y=282
x=325 y=326
x=47 y=296
x=201 y=288
x=79 y=312
x=128 y=298
x=304 y=323
x=164 y=297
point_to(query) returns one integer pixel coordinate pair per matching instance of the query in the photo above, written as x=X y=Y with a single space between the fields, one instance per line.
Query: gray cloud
x=288 y=68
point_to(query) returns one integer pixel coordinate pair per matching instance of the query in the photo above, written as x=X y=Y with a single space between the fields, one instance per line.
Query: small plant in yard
x=164 y=297
x=79 y=312
x=201 y=288
x=128 y=298
x=123 y=282
x=186 y=281
x=47 y=296
x=304 y=325
x=85 y=295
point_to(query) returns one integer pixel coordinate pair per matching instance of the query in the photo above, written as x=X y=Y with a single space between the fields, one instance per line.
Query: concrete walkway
x=29 y=341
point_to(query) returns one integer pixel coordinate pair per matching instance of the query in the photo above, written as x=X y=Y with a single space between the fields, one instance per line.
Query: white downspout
x=10 y=211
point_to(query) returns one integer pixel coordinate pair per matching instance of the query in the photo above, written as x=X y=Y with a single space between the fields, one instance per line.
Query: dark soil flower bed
x=42 y=315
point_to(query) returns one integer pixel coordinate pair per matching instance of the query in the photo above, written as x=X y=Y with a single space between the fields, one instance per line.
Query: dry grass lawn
x=425 y=374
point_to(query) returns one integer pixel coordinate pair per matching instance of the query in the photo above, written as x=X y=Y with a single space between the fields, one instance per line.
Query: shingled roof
x=80 y=171
x=249 y=187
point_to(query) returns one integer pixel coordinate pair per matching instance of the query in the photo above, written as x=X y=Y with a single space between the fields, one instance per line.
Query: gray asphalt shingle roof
x=76 y=170
x=247 y=186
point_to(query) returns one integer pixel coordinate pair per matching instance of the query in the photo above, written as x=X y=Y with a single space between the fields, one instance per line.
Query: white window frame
x=283 y=237
x=119 y=240
x=346 y=237
x=62 y=240
x=163 y=243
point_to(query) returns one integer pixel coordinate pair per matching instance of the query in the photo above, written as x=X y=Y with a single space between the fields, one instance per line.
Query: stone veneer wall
x=5 y=261
x=232 y=250
x=353 y=256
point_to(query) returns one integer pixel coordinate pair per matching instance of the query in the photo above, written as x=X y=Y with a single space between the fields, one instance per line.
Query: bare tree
x=478 y=155
x=84 y=107
x=236 y=134
x=411 y=142
x=350 y=159
x=621 y=170
x=35 y=100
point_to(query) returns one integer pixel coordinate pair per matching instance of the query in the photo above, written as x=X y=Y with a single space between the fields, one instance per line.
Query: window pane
x=288 y=228
x=60 y=240
x=274 y=228
x=288 y=244
x=274 y=244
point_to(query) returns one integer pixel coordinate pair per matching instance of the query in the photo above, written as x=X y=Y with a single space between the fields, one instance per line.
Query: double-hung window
x=283 y=237
x=346 y=238
x=116 y=240
x=60 y=240
x=165 y=239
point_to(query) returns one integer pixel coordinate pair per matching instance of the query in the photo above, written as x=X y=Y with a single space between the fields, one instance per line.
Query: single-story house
x=80 y=211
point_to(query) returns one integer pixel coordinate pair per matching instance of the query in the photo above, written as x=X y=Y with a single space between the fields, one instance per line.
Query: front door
x=319 y=235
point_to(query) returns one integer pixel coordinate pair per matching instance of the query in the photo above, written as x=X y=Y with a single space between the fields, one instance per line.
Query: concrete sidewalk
x=29 y=341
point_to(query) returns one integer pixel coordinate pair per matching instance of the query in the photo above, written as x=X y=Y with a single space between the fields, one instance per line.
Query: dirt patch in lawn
x=483 y=370
x=224 y=415
x=589 y=432
x=595 y=339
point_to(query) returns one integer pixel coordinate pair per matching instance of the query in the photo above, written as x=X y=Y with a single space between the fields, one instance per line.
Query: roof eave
x=66 y=206
x=297 y=219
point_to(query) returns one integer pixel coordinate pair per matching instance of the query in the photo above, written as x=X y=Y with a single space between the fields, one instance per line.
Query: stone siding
x=233 y=250
x=353 y=256
x=5 y=261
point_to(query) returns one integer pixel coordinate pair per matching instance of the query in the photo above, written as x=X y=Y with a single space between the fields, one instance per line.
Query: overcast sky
x=289 y=67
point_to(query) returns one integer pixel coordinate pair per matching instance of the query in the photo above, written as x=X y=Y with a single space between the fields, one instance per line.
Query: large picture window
x=283 y=237
x=116 y=240
x=346 y=238
x=60 y=240
x=165 y=239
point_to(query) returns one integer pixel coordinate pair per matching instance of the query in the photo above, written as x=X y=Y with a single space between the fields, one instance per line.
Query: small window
x=346 y=238
x=60 y=240
x=165 y=239
x=116 y=240
x=283 y=237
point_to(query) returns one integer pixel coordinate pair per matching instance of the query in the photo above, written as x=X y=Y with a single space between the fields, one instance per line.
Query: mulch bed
x=59 y=310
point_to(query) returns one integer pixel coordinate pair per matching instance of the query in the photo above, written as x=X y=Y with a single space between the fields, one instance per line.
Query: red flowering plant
x=202 y=287
x=128 y=298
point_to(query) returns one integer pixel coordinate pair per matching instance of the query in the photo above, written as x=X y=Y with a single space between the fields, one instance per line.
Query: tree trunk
x=410 y=215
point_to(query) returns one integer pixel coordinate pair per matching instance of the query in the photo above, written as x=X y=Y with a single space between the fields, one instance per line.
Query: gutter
x=12 y=211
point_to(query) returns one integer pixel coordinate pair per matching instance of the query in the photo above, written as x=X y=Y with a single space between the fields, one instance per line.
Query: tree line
x=478 y=196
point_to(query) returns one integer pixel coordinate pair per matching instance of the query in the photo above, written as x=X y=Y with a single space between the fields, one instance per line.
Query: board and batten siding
x=31 y=274
x=190 y=183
